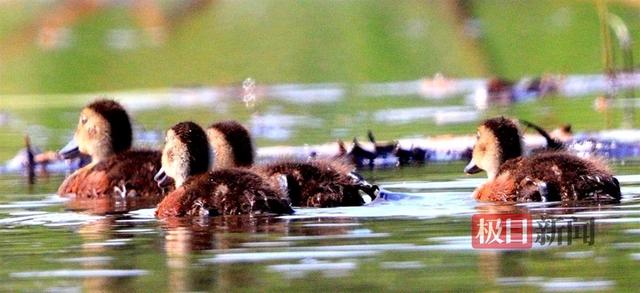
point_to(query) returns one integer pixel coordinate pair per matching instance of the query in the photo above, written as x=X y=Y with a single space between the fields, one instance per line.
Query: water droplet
x=249 y=95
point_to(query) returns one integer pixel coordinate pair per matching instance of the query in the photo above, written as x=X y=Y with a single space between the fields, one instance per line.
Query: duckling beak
x=472 y=168
x=70 y=151
x=160 y=177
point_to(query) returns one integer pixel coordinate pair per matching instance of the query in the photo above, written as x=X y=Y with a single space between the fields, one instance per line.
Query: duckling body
x=544 y=176
x=315 y=183
x=127 y=173
x=223 y=192
x=229 y=191
x=104 y=133
x=551 y=176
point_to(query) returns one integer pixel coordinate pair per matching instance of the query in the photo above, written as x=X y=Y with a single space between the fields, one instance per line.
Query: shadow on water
x=419 y=242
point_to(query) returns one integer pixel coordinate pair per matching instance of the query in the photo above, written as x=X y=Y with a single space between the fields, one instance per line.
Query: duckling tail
x=552 y=144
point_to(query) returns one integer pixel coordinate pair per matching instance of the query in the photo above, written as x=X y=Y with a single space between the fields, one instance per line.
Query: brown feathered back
x=567 y=177
x=130 y=172
x=316 y=183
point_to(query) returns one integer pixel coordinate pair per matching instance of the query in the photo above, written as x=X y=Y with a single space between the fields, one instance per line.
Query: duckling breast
x=502 y=188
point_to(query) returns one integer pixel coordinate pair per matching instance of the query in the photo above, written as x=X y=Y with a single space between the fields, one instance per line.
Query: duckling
x=315 y=183
x=235 y=191
x=545 y=176
x=104 y=133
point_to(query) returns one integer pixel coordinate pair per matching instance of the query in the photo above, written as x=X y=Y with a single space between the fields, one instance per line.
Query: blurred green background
x=54 y=55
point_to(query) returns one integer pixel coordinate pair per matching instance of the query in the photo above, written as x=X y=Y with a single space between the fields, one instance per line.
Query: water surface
x=421 y=241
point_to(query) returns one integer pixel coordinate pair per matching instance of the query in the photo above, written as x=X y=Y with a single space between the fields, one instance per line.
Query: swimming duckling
x=104 y=133
x=315 y=183
x=546 y=176
x=186 y=159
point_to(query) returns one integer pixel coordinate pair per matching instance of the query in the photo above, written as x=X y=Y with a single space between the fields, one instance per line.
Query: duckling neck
x=180 y=179
x=97 y=158
x=185 y=176
x=101 y=154
x=179 y=182
x=221 y=158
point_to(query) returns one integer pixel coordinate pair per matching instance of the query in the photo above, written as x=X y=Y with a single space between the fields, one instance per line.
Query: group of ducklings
x=199 y=172
x=212 y=171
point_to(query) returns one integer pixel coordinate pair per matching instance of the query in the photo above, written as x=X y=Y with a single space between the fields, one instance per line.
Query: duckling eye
x=83 y=120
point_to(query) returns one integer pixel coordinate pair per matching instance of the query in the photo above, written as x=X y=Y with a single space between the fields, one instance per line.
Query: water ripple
x=328 y=269
x=79 y=274
x=51 y=219
x=284 y=255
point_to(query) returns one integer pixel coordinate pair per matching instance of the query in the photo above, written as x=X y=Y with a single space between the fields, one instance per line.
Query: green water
x=415 y=244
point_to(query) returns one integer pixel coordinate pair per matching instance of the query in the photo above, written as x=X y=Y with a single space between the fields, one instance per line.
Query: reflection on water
x=418 y=240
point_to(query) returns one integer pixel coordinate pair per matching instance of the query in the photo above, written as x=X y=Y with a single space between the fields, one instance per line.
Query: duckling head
x=103 y=129
x=498 y=140
x=185 y=153
x=231 y=144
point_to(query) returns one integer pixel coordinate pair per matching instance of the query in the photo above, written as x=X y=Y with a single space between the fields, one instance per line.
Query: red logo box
x=501 y=231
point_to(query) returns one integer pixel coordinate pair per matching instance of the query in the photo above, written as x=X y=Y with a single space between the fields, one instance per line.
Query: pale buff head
x=185 y=153
x=93 y=135
x=175 y=159
x=103 y=130
x=498 y=140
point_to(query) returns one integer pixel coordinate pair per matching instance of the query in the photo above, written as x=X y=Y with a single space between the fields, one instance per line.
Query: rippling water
x=419 y=239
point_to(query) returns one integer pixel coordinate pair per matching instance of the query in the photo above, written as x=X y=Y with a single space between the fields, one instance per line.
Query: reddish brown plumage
x=129 y=171
x=502 y=188
x=223 y=192
x=104 y=133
